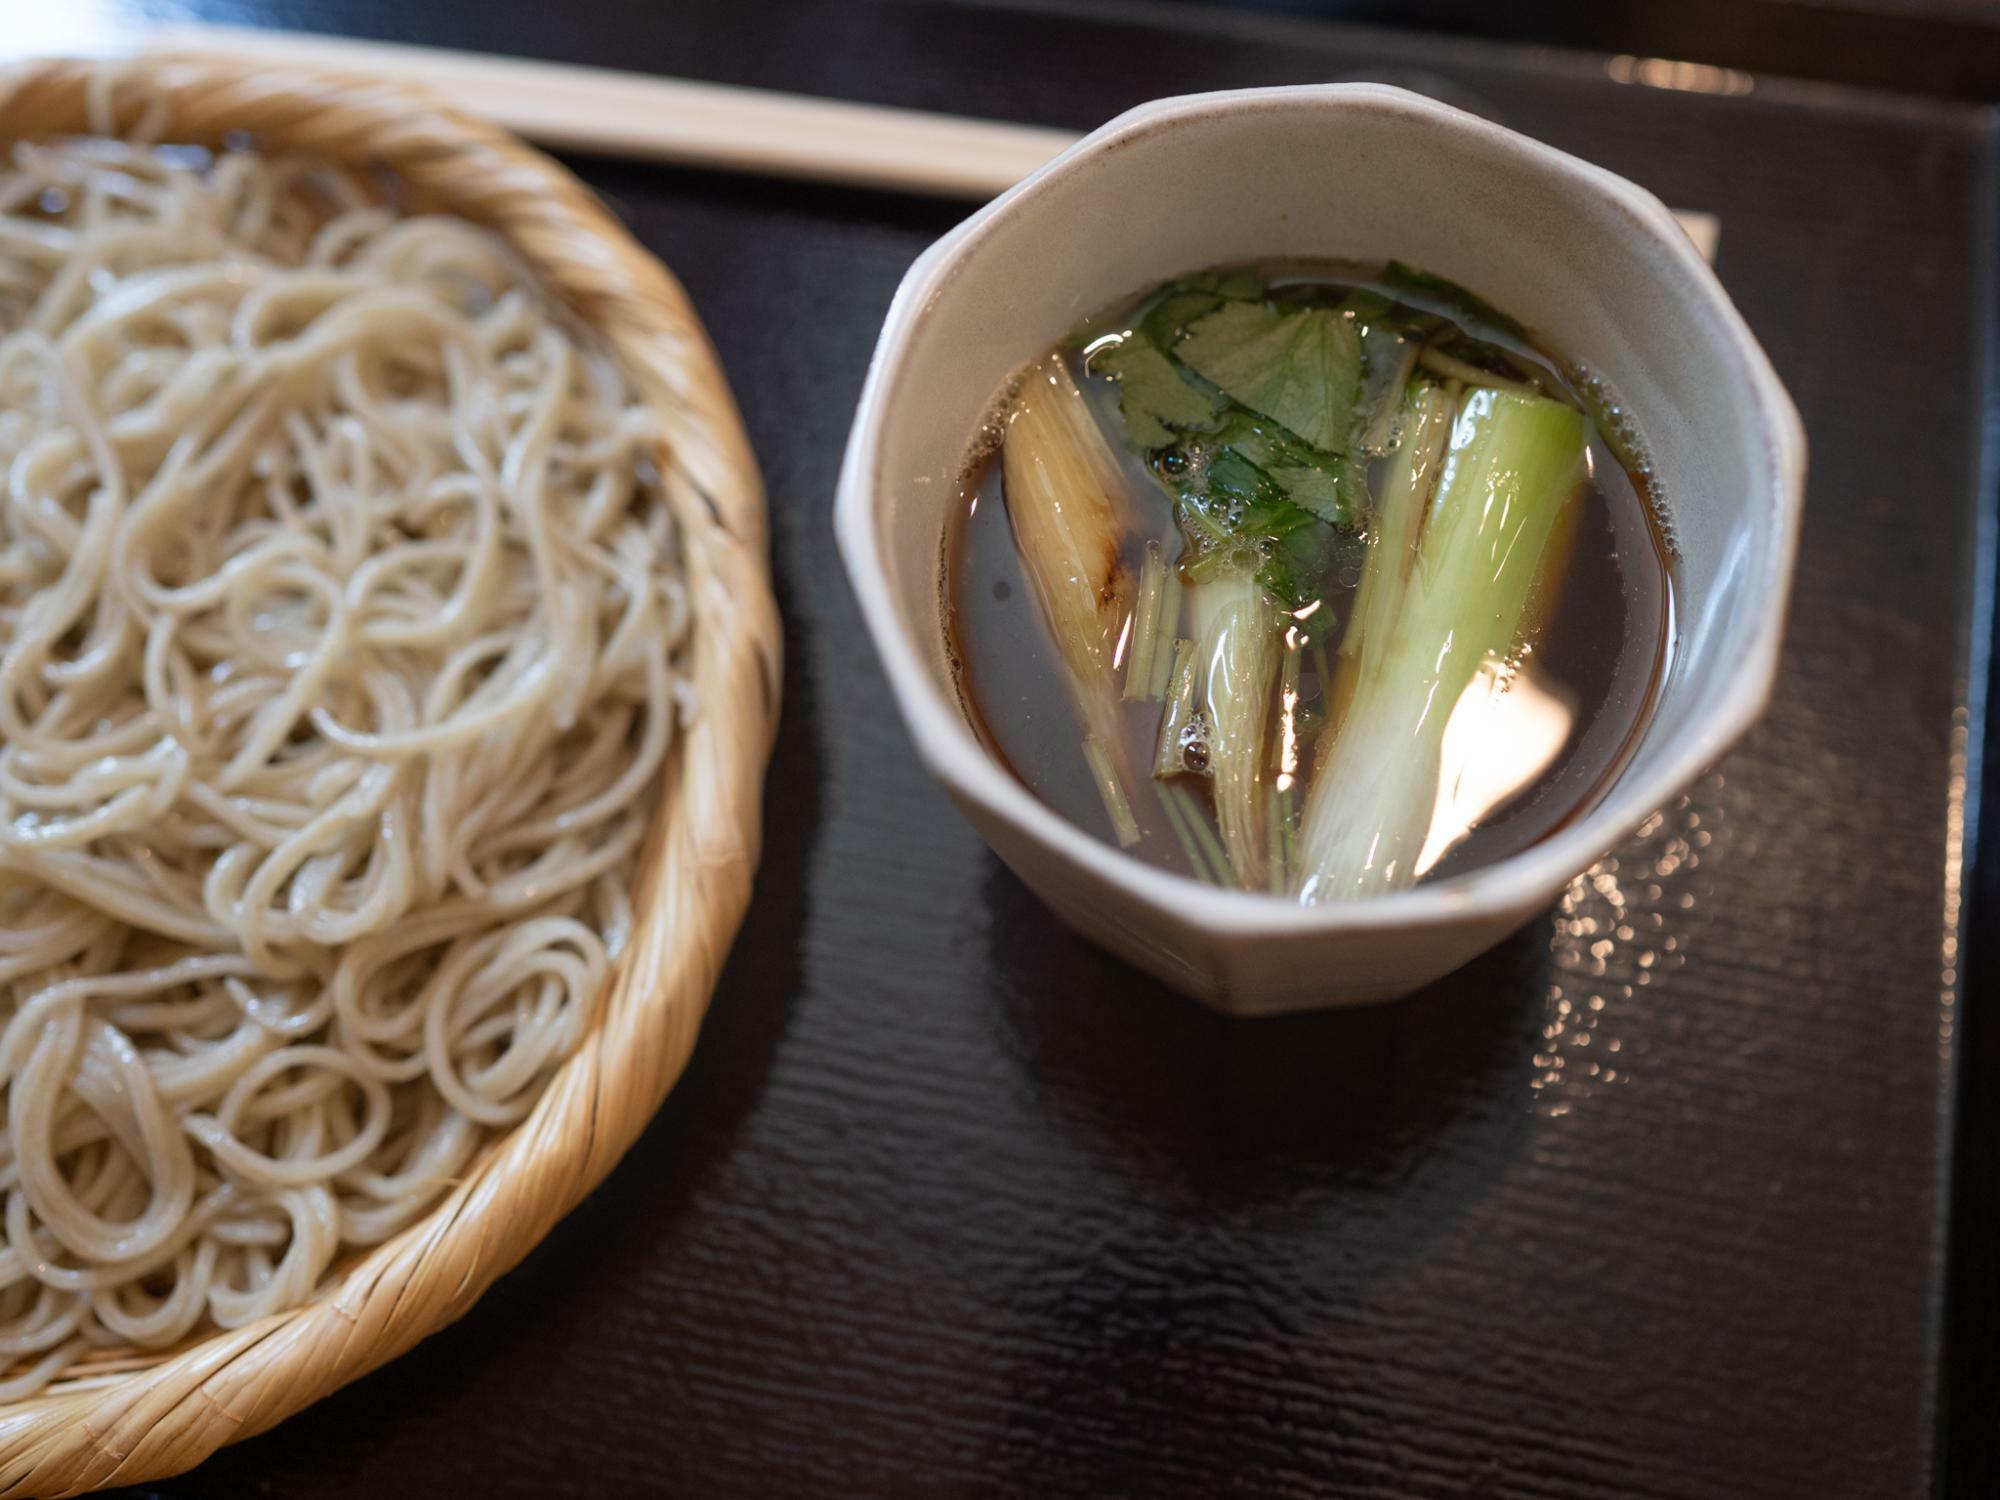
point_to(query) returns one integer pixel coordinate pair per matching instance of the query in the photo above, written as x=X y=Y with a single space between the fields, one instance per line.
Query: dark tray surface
x=949 y=1203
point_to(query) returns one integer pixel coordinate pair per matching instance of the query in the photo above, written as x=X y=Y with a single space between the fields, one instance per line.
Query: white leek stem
x=1514 y=464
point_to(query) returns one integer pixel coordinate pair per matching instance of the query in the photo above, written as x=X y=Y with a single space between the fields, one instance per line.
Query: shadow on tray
x=1246 y=1110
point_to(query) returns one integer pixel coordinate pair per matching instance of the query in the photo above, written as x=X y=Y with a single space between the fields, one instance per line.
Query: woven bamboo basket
x=128 y=1416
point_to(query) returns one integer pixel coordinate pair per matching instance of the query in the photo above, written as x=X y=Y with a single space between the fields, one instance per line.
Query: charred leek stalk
x=1068 y=505
x=1513 y=465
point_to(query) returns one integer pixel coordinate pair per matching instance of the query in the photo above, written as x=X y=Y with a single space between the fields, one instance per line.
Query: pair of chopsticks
x=721 y=126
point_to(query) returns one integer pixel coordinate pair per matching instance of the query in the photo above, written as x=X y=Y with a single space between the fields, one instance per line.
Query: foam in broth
x=1177 y=728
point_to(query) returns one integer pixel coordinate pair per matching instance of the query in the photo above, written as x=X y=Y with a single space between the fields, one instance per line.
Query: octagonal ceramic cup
x=1351 y=172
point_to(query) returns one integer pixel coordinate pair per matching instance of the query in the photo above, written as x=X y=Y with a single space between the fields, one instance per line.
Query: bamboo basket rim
x=118 y=1425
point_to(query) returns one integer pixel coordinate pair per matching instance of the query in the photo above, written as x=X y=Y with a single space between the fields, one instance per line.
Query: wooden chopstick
x=756 y=131
x=602 y=110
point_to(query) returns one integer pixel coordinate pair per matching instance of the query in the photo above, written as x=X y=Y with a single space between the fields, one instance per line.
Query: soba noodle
x=340 y=631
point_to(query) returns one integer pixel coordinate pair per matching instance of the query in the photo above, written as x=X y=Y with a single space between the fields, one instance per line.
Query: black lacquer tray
x=1653 y=1200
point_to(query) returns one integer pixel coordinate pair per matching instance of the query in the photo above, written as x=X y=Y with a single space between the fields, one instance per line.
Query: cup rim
x=951 y=752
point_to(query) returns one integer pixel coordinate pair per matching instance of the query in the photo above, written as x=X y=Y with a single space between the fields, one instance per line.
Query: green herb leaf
x=1464 y=306
x=1327 y=485
x=1165 y=315
x=1241 y=284
x=1248 y=501
x=1247 y=412
x=1297 y=568
x=1367 y=307
x=1157 y=402
x=1240 y=517
x=1166 y=320
x=1298 y=367
x=1323 y=492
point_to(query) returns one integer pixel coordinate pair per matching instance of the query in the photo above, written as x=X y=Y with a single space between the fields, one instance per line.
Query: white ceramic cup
x=1350 y=172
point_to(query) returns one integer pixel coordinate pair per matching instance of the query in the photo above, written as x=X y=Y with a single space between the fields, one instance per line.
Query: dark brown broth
x=1596 y=658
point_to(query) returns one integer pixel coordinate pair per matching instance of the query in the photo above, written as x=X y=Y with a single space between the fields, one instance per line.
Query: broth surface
x=1533 y=743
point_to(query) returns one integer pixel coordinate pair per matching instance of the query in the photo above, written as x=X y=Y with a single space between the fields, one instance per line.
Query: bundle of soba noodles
x=340 y=644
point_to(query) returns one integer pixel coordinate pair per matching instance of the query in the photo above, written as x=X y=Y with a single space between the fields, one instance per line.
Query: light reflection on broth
x=1506 y=731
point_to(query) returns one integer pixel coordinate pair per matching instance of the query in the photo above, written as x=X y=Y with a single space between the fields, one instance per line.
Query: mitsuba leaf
x=1298 y=366
x=1237 y=515
x=1368 y=307
x=1156 y=400
x=1296 y=569
x=1245 y=410
x=1168 y=312
x=1320 y=483
x=1464 y=306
